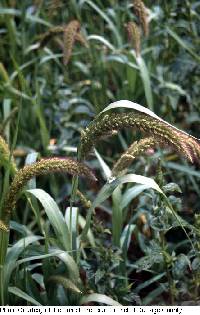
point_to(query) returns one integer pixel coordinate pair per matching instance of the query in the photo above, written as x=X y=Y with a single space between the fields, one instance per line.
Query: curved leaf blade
x=16 y=291
x=99 y=298
x=55 y=217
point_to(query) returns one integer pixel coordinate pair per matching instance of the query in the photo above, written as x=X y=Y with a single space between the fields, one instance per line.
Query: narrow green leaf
x=106 y=169
x=102 y=40
x=154 y=294
x=131 y=193
x=71 y=218
x=13 y=254
x=144 y=73
x=126 y=237
x=106 y=18
x=150 y=281
x=117 y=217
x=108 y=189
x=64 y=256
x=28 y=17
x=6 y=113
x=182 y=168
x=90 y=236
x=99 y=298
x=183 y=44
x=23 y=295
x=55 y=216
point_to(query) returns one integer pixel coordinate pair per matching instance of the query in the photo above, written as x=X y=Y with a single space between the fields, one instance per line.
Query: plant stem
x=169 y=278
x=4 y=237
x=117 y=217
x=72 y=199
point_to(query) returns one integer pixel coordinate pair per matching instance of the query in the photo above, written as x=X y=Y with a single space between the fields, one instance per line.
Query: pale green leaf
x=99 y=298
x=23 y=295
x=55 y=216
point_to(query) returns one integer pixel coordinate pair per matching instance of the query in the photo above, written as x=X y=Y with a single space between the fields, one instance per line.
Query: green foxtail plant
x=160 y=131
x=134 y=36
x=42 y=167
x=7 y=120
x=71 y=33
x=6 y=160
x=20 y=179
x=69 y=37
x=84 y=201
x=141 y=12
x=136 y=149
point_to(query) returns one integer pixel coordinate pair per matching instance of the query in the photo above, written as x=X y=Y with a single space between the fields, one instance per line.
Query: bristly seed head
x=84 y=201
x=6 y=160
x=71 y=34
x=161 y=131
x=69 y=37
x=44 y=166
x=141 y=12
x=3 y=227
x=136 y=149
x=134 y=36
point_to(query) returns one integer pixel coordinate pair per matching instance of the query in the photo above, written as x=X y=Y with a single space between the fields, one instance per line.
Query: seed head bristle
x=7 y=120
x=3 y=227
x=136 y=149
x=85 y=202
x=5 y=159
x=163 y=133
x=69 y=37
x=44 y=166
x=141 y=12
x=71 y=34
x=134 y=36
x=65 y=282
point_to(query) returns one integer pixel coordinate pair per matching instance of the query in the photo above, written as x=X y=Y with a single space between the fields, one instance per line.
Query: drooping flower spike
x=71 y=33
x=134 y=36
x=160 y=130
x=141 y=11
x=43 y=167
x=135 y=150
x=6 y=159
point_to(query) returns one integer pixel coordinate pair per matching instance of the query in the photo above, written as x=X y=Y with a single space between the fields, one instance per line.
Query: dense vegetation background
x=136 y=251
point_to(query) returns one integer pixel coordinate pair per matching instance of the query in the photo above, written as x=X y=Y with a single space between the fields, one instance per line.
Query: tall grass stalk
x=4 y=239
